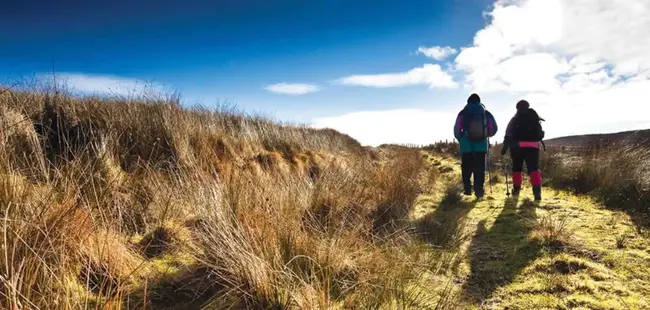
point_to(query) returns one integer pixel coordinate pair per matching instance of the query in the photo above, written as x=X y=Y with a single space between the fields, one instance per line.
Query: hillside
x=636 y=137
x=136 y=202
x=139 y=203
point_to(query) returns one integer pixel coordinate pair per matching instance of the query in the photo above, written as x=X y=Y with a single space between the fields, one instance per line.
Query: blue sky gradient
x=227 y=50
x=231 y=50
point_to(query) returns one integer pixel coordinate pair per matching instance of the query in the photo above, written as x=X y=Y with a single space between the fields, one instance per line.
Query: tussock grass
x=125 y=202
x=621 y=240
x=554 y=231
x=617 y=176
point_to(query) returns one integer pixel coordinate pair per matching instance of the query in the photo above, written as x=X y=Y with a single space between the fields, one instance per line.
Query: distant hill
x=635 y=136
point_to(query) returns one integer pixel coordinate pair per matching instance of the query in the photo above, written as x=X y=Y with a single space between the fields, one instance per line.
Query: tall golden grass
x=138 y=202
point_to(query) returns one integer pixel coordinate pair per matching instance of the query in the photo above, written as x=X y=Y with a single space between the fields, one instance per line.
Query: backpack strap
x=485 y=124
x=463 y=114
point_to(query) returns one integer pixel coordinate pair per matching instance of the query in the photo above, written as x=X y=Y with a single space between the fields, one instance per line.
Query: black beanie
x=474 y=98
x=523 y=104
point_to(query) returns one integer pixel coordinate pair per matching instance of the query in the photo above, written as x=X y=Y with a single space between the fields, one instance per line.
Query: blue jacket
x=467 y=146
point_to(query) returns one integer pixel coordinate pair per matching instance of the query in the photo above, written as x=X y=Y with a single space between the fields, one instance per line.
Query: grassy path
x=565 y=252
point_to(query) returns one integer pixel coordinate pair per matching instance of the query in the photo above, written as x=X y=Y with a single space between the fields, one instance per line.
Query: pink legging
x=535 y=178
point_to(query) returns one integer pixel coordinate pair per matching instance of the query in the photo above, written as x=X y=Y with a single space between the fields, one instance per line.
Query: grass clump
x=621 y=241
x=617 y=175
x=554 y=231
x=129 y=202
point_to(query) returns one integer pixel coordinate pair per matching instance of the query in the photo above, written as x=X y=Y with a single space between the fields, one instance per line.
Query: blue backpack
x=474 y=124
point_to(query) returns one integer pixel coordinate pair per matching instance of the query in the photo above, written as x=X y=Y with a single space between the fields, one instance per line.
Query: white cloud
x=107 y=84
x=292 y=88
x=429 y=74
x=391 y=126
x=583 y=64
x=596 y=108
x=567 y=37
x=437 y=52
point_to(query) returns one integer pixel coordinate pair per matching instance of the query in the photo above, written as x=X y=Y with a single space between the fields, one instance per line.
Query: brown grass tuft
x=553 y=231
x=278 y=216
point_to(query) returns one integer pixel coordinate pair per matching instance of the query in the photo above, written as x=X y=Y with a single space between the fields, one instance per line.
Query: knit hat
x=474 y=98
x=523 y=104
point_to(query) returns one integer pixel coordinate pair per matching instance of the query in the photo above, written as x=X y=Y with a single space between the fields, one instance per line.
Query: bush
x=444 y=147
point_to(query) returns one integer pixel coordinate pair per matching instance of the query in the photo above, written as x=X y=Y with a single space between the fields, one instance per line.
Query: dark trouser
x=531 y=157
x=474 y=163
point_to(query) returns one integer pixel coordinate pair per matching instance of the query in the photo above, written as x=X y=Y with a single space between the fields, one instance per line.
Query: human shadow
x=444 y=227
x=499 y=253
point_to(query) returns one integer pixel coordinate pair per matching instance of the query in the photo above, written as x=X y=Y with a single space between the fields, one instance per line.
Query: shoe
x=537 y=192
x=467 y=191
x=516 y=191
x=479 y=195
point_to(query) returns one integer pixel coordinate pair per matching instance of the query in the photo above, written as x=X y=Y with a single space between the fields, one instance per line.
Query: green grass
x=562 y=253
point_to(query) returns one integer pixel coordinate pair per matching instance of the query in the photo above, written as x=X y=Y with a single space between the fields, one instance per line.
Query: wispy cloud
x=292 y=88
x=106 y=84
x=437 y=52
x=429 y=74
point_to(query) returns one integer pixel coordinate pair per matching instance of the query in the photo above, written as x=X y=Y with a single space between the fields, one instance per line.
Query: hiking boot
x=537 y=192
x=467 y=191
x=516 y=191
x=479 y=194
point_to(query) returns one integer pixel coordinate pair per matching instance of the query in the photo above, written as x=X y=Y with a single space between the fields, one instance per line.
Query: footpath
x=566 y=252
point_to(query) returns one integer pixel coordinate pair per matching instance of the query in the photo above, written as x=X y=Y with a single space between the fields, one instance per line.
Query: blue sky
x=347 y=63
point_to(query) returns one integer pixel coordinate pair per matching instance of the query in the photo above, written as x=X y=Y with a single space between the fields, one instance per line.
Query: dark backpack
x=475 y=125
x=528 y=126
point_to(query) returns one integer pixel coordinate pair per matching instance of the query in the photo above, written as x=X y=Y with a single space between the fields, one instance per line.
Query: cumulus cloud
x=429 y=74
x=546 y=42
x=584 y=66
x=106 y=84
x=437 y=52
x=292 y=88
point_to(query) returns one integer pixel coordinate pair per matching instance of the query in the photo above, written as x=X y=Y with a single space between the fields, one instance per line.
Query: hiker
x=474 y=125
x=523 y=137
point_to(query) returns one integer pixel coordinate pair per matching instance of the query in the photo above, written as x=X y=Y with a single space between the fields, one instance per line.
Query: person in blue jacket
x=474 y=125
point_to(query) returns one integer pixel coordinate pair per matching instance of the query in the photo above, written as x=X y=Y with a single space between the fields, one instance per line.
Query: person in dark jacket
x=524 y=148
x=474 y=150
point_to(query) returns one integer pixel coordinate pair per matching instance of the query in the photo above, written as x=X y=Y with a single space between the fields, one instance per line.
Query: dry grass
x=553 y=231
x=617 y=176
x=123 y=202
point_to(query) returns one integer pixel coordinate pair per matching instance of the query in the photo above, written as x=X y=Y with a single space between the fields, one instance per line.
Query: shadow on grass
x=192 y=288
x=499 y=253
x=444 y=228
